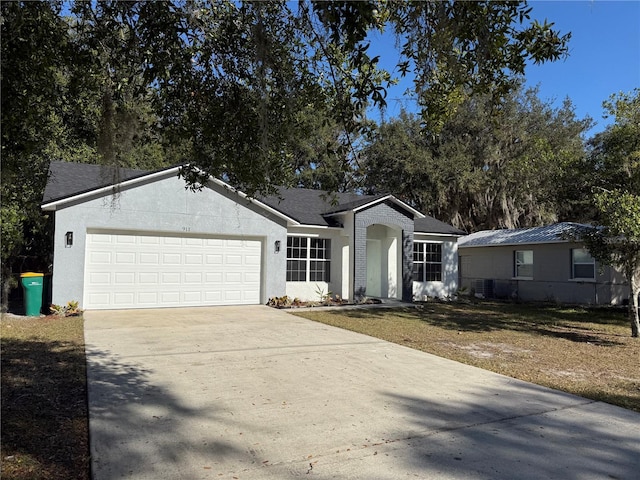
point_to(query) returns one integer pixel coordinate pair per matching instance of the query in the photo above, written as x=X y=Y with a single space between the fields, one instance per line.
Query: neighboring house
x=143 y=240
x=537 y=264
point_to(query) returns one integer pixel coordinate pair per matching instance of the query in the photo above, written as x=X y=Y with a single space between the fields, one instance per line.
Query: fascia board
x=433 y=234
x=515 y=244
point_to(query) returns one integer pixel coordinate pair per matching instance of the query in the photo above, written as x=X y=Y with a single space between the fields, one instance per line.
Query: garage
x=150 y=270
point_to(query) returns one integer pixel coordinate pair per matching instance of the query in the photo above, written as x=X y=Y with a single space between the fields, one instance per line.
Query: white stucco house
x=132 y=239
x=537 y=264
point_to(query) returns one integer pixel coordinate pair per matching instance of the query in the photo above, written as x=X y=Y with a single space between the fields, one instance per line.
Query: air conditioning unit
x=485 y=288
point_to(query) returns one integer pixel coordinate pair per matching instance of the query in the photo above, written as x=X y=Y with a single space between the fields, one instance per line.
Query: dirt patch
x=489 y=349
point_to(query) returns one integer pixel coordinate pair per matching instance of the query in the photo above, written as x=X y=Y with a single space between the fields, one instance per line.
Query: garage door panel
x=171 y=259
x=99 y=257
x=195 y=297
x=100 y=278
x=170 y=278
x=148 y=298
x=233 y=277
x=148 y=278
x=213 y=277
x=193 y=277
x=125 y=278
x=149 y=258
x=129 y=271
x=192 y=259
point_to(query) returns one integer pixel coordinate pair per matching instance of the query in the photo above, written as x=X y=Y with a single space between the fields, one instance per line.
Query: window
x=296 y=259
x=308 y=259
x=524 y=263
x=582 y=264
x=427 y=262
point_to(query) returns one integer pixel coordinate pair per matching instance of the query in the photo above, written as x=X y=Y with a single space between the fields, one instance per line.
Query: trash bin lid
x=31 y=274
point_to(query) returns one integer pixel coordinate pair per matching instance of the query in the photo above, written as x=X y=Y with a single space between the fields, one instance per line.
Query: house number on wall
x=186 y=229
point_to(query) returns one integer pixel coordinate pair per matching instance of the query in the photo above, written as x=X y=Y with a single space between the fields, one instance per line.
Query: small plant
x=57 y=310
x=323 y=296
x=71 y=309
x=279 y=302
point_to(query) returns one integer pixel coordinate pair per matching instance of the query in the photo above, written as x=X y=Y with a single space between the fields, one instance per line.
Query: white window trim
x=308 y=258
x=515 y=266
x=573 y=268
x=424 y=263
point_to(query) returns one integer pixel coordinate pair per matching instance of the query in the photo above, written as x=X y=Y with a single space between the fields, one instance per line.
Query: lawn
x=44 y=399
x=587 y=352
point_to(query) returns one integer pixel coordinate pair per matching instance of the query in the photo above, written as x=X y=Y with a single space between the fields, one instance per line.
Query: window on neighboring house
x=308 y=259
x=582 y=264
x=427 y=262
x=524 y=263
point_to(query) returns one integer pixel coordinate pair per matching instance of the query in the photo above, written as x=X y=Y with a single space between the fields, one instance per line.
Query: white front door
x=374 y=271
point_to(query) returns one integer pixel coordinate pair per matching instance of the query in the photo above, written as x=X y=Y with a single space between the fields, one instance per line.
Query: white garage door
x=146 y=271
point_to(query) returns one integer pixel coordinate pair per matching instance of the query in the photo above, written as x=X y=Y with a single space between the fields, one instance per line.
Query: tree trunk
x=6 y=287
x=634 y=291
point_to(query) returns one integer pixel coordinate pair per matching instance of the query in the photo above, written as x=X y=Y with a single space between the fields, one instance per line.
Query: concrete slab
x=256 y=393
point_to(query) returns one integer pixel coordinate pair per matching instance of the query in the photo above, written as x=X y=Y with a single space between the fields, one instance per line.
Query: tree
x=488 y=168
x=615 y=158
x=221 y=83
x=34 y=51
x=229 y=79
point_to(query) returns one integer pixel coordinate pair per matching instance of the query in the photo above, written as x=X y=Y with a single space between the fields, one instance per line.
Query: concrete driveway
x=256 y=393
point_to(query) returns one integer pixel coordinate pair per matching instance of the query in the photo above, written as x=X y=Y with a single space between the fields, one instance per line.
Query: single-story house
x=132 y=239
x=537 y=264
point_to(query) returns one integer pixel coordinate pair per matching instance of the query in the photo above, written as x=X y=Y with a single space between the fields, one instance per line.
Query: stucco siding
x=449 y=284
x=310 y=291
x=164 y=205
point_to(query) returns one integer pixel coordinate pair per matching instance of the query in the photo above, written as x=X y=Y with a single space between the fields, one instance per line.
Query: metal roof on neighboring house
x=518 y=236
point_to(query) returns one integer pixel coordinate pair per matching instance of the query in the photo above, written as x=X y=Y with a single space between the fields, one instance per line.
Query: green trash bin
x=32 y=286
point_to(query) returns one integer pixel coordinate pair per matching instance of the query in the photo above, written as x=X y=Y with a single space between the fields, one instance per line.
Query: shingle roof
x=518 y=236
x=307 y=206
x=432 y=225
x=69 y=179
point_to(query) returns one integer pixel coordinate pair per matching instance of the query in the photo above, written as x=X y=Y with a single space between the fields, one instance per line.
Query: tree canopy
x=615 y=159
x=229 y=86
x=487 y=169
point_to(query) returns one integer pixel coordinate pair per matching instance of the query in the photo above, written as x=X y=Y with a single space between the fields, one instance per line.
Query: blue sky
x=604 y=56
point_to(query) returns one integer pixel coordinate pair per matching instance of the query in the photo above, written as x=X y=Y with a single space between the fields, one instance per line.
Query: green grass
x=44 y=399
x=587 y=352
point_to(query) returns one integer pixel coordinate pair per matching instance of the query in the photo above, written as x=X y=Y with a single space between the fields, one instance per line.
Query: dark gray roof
x=432 y=225
x=69 y=179
x=311 y=207
x=518 y=236
x=306 y=206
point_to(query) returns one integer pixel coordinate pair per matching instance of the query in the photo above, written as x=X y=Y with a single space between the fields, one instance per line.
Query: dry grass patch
x=44 y=399
x=587 y=352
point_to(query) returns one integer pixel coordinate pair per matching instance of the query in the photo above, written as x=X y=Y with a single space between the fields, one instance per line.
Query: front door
x=374 y=271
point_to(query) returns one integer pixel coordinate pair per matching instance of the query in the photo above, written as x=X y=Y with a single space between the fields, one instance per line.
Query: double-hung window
x=583 y=266
x=427 y=262
x=523 y=264
x=308 y=259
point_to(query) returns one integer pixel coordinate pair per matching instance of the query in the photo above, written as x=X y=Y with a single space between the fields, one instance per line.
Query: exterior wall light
x=68 y=237
x=277 y=246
